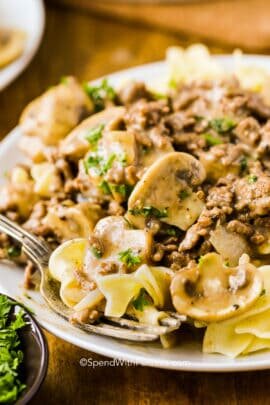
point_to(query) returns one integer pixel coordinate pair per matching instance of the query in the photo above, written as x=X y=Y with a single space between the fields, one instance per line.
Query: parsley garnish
x=105 y=187
x=170 y=231
x=14 y=251
x=96 y=252
x=123 y=189
x=263 y=292
x=11 y=356
x=222 y=125
x=172 y=83
x=98 y=163
x=64 y=80
x=99 y=94
x=183 y=194
x=129 y=258
x=94 y=135
x=243 y=163
x=252 y=178
x=212 y=140
x=150 y=211
x=141 y=301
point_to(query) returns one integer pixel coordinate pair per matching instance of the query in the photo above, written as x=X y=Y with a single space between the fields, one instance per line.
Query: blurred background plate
x=29 y=16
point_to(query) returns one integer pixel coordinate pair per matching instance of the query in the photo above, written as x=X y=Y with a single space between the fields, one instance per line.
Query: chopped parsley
x=64 y=80
x=150 y=211
x=172 y=83
x=98 y=94
x=141 y=301
x=170 y=232
x=96 y=252
x=105 y=187
x=11 y=356
x=94 y=135
x=212 y=140
x=98 y=163
x=14 y=251
x=263 y=292
x=243 y=164
x=122 y=189
x=252 y=178
x=222 y=125
x=183 y=194
x=129 y=258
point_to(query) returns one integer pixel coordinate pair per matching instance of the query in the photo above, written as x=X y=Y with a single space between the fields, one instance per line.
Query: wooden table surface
x=89 y=47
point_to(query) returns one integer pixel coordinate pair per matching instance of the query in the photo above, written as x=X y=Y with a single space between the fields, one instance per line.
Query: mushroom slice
x=77 y=143
x=230 y=245
x=211 y=291
x=166 y=191
x=116 y=238
x=54 y=114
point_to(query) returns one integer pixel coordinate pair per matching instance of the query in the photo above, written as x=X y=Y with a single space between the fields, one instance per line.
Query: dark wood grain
x=89 y=47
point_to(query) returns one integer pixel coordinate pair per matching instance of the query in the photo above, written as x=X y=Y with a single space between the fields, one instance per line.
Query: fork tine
x=118 y=332
x=24 y=234
x=156 y=329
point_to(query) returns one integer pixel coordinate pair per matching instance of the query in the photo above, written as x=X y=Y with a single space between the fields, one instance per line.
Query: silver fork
x=121 y=328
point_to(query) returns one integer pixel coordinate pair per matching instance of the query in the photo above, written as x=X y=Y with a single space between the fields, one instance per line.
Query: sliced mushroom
x=76 y=145
x=230 y=245
x=166 y=191
x=54 y=114
x=115 y=236
x=12 y=44
x=211 y=291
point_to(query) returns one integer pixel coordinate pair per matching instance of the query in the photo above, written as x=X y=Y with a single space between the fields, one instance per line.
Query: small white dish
x=187 y=356
x=28 y=16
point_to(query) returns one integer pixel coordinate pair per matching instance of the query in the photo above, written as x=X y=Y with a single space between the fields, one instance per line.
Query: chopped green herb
x=94 y=135
x=243 y=164
x=236 y=306
x=129 y=258
x=200 y=260
x=145 y=149
x=222 y=125
x=96 y=252
x=123 y=189
x=11 y=356
x=104 y=186
x=150 y=212
x=122 y=159
x=252 y=178
x=159 y=96
x=170 y=232
x=183 y=194
x=172 y=83
x=141 y=301
x=14 y=251
x=128 y=223
x=263 y=292
x=64 y=80
x=212 y=140
x=98 y=163
x=108 y=164
x=99 y=94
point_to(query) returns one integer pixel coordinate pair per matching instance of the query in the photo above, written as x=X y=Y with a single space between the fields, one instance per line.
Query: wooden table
x=89 y=47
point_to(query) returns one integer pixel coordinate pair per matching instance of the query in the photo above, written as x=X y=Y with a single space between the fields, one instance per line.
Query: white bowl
x=29 y=16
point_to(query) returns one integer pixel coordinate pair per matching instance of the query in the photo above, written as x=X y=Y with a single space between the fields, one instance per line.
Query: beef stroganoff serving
x=154 y=199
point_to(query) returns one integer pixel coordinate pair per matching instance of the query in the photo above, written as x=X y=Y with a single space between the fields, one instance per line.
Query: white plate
x=187 y=356
x=29 y=16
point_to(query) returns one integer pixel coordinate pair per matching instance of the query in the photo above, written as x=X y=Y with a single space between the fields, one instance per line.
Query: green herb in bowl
x=11 y=355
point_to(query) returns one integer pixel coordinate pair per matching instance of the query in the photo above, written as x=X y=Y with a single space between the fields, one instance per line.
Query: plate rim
x=228 y=365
